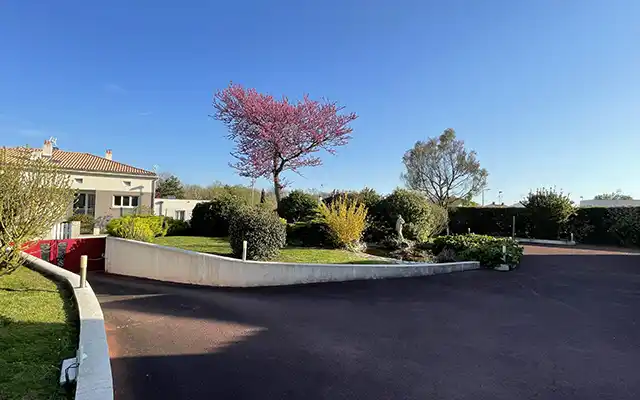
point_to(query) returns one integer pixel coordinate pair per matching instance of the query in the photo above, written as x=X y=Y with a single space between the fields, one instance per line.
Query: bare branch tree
x=443 y=169
x=34 y=195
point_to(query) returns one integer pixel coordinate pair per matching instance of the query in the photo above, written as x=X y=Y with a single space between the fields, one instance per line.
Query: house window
x=126 y=201
x=180 y=215
x=84 y=203
x=127 y=183
x=79 y=180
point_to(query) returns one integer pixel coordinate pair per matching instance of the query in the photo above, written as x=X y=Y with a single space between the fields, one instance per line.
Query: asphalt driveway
x=563 y=326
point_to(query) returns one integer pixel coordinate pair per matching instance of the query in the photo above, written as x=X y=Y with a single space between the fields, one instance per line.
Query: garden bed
x=221 y=247
x=38 y=329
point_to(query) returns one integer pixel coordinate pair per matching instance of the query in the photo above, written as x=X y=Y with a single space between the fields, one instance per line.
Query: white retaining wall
x=152 y=261
x=94 y=380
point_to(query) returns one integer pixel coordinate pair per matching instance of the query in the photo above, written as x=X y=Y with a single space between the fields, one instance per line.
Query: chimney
x=47 y=149
x=108 y=155
x=36 y=154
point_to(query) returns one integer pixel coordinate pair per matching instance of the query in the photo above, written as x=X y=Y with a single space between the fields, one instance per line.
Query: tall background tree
x=34 y=195
x=444 y=170
x=169 y=185
x=272 y=136
x=617 y=195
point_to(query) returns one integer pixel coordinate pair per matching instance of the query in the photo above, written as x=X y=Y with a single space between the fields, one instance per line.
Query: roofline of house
x=103 y=173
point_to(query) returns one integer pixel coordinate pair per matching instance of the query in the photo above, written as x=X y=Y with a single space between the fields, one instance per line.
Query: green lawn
x=37 y=331
x=220 y=246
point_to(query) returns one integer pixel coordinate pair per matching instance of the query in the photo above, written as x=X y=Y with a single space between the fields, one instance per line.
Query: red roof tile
x=75 y=161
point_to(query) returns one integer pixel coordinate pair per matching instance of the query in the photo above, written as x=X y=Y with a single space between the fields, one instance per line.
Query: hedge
x=488 y=250
x=614 y=226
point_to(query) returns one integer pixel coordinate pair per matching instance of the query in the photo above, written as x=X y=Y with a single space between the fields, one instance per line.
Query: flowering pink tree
x=273 y=136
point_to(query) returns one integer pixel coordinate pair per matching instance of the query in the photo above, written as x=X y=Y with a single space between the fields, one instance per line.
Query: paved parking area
x=565 y=325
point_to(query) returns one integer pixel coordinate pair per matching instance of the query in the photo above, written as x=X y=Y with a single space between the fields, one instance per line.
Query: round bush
x=130 y=227
x=155 y=222
x=298 y=206
x=213 y=218
x=423 y=219
x=264 y=231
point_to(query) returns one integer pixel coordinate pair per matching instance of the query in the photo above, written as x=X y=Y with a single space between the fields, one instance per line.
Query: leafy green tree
x=34 y=195
x=169 y=186
x=549 y=212
x=298 y=206
x=443 y=170
x=617 y=195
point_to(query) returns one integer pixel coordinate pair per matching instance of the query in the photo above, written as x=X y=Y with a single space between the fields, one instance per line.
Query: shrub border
x=94 y=380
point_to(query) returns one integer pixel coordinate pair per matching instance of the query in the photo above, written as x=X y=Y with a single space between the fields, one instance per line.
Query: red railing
x=66 y=253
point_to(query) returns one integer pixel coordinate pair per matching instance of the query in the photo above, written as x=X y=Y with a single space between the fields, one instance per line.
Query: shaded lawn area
x=37 y=331
x=220 y=246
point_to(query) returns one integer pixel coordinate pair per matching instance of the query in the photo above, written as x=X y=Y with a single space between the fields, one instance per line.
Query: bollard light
x=83 y=271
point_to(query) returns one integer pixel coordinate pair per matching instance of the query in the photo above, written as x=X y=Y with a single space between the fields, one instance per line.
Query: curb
x=94 y=375
x=545 y=241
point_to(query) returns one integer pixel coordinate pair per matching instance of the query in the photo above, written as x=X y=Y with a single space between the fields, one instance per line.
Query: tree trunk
x=276 y=188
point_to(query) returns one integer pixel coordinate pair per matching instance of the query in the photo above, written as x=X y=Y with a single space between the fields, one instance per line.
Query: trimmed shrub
x=176 y=227
x=264 y=232
x=346 y=220
x=485 y=249
x=298 y=206
x=423 y=219
x=549 y=213
x=86 y=222
x=309 y=234
x=130 y=227
x=213 y=218
x=155 y=222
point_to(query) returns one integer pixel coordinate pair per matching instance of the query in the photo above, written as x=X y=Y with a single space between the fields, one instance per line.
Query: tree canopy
x=169 y=186
x=272 y=136
x=443 y=170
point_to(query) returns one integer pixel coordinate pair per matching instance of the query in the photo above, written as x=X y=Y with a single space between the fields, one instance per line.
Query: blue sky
x=547 y=92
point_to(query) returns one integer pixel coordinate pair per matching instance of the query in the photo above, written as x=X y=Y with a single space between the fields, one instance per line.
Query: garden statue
x=399 y=223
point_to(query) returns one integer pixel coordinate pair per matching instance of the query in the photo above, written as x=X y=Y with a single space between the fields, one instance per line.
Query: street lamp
x=500 y=197
x=484 y=190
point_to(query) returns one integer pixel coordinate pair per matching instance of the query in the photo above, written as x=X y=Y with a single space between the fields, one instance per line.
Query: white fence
x=61 y=231
x=152 y=261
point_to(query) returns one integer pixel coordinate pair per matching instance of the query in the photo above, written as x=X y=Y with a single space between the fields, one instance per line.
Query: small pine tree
x=263 y=197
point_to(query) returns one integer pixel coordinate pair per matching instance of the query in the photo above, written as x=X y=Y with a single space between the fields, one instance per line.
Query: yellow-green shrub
x=130 y=227
x=346 y=220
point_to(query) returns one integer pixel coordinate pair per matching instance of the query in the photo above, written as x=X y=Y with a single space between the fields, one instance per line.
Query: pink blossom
x=272 y=136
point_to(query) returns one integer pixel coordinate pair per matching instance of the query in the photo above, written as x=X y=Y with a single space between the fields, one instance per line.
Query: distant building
x=176 y=208
x=609 y=203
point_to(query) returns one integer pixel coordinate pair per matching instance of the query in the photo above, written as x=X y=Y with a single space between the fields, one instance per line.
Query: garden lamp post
x=484 y=190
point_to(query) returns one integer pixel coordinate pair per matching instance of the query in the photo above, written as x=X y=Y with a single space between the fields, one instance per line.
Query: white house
x=175 y=208
x=105 y=188
x=609 y=203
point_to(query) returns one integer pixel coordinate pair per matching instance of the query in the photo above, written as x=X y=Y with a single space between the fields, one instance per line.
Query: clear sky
x=547 y=92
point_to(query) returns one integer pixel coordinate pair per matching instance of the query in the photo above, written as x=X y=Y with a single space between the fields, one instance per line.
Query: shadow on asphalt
x=559 y=327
